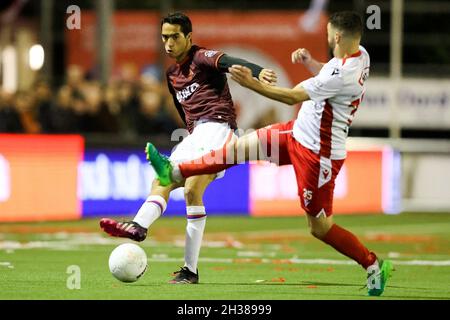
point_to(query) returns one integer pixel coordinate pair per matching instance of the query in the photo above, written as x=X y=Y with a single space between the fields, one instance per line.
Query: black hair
x=180 y=19
x=349 y=22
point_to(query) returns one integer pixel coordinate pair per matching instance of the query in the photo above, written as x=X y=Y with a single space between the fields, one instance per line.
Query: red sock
x=189 y=169
x=210 y=163
x=348 y=244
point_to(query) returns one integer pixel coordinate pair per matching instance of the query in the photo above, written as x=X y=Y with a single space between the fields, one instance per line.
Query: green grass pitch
x=242 y=258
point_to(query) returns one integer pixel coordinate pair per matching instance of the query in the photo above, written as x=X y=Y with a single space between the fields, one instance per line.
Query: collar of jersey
x=356 y=54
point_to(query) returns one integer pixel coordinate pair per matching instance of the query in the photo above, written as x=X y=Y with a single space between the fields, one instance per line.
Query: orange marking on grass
x=281 y=261
x=384 y=237
x=256 y=261
x=279 y=268
x=288 y=249
x=280 y=279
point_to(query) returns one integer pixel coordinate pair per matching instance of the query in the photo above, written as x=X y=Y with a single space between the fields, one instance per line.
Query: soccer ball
x=128 y=262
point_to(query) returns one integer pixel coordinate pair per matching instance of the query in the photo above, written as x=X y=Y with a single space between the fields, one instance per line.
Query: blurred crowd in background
x=131 y=104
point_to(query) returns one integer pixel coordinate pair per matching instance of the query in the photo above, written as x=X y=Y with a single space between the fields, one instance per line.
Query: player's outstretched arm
x=242 y=75
x=266 y=76
x=302 y=55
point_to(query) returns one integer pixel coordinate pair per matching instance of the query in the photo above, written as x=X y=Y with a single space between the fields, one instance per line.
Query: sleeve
x=226 y=61
x=208 y=58
x=175 y=101
x=325 y=85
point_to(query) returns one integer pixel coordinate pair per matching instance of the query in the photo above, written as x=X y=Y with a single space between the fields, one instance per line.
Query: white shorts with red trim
x=206 y=137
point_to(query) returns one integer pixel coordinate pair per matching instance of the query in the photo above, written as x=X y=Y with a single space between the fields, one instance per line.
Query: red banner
x=364 y=185
x=39 y=177
x=136 y=37
x=273 y=34
x=135 y=40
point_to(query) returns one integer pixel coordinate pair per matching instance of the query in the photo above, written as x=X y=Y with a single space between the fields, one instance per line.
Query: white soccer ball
x=128 y=262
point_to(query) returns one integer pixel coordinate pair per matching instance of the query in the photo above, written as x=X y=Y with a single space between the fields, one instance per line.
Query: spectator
x=26 y=107
x=152 y=118
x=129 y=103
x=97 y=117
x=43 y=97
x=9 y=117
x=63 y=119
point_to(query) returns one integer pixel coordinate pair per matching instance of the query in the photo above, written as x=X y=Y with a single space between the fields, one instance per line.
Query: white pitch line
x=436 y=263
x=6 y=264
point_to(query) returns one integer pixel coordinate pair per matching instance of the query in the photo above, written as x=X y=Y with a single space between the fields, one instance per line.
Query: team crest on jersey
x=210 y=53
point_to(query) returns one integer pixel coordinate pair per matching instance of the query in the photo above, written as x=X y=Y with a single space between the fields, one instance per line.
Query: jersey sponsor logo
x=210 y=53
x=187 y=92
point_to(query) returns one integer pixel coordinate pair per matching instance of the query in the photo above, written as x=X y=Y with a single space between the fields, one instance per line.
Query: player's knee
x=319 y=226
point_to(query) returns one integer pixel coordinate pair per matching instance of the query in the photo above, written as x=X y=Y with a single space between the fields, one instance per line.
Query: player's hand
x=241 y=75
x=301 y=56
x=268 y=77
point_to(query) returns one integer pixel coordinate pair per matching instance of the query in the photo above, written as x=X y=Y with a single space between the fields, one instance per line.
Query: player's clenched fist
x=268 y=76
x=300 y=56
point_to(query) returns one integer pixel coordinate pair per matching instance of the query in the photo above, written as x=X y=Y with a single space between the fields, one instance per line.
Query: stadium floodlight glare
x=36 y=57
x=9 y=67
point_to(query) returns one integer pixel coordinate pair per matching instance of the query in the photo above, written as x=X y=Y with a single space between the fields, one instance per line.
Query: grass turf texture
x=242 y=258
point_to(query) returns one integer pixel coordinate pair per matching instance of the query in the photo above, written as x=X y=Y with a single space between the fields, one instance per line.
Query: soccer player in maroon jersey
x=199 y=87
x=314 y=143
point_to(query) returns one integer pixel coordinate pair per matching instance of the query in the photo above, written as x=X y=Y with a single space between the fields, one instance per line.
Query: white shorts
x=206 y=137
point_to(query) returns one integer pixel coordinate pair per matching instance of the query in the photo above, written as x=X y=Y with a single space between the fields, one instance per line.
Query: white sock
x=196 y=220
x=151 y=210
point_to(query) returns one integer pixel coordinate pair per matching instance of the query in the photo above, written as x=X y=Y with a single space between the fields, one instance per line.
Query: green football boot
x=377 y=277
x=160 y=163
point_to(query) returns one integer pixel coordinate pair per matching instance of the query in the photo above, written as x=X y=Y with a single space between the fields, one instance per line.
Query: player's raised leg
x=194 y=188
x=153 y=207
x=240 y=150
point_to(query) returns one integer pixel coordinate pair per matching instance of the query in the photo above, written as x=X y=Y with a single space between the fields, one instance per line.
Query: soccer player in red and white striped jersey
x=314 y=143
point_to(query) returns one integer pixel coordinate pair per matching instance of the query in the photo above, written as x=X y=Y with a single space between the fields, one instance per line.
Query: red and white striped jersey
x=322 y=122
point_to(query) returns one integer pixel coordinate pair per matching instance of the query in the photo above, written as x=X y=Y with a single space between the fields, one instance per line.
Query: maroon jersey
x=200 y=90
